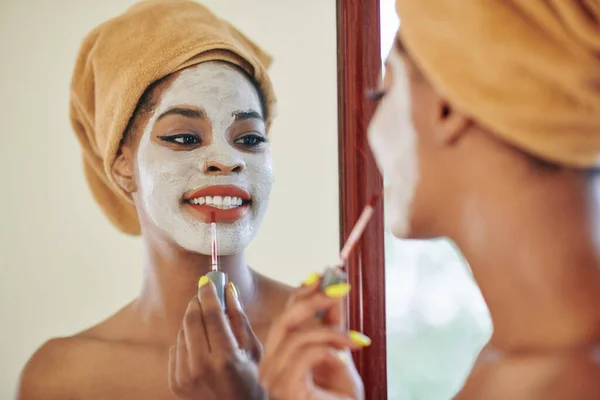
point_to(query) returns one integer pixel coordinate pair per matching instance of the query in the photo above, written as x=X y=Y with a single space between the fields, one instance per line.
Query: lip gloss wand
x=334 y=275
x=218 y=277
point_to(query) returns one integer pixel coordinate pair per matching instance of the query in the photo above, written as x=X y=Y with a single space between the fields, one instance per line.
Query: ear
x=450 y=124
x=122 y=170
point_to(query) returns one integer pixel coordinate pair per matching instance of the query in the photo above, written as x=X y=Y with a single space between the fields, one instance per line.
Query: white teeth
x=221 y=202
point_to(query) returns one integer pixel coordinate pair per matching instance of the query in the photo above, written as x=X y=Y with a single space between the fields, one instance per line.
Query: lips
x=228 y=203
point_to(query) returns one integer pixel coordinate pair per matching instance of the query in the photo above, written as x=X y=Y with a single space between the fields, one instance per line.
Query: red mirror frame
x=359 y=68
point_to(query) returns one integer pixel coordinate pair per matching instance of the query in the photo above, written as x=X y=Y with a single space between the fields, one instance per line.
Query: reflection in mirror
x=436 y=318
x=65 y=268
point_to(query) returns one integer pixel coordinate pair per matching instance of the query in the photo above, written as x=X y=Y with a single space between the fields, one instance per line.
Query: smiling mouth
x=228 y=203
x=220 y=202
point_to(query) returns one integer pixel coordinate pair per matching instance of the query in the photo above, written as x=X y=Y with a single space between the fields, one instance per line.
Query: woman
x=172 y=107
x=493 y=107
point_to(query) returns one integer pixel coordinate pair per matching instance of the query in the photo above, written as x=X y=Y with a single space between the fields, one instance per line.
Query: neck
x=170 y=281
x=530 y=243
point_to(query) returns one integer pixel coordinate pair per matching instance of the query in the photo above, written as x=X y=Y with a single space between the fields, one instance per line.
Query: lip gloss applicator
x=215 y=275
x=334 y=275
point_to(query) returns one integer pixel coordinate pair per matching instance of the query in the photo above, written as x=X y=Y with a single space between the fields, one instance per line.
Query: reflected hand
x=216 y=353
x=309 y=359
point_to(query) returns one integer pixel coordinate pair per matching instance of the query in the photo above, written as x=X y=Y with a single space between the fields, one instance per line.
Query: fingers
x=195 y=337
x=207 y=333
x=182 y=366
x=221 y=340
x=310 y=285
x=276 y=364
x=334 y=316
x=299 y=313
x=236 y=315
x=294 y=386
x=179 y=372
x=172 y=376
x=240 y=325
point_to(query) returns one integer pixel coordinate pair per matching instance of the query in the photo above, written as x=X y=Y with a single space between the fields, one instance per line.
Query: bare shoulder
x=60 y=367
x=53 y=370
x=532 y=378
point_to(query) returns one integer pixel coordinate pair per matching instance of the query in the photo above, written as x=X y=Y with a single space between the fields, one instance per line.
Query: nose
x=216 y=168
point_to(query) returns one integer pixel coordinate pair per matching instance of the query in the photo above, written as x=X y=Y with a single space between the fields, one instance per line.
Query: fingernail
x=203 y=281
x=359 y=338
x=311 y=279
x=234 y=290
x=337 y=290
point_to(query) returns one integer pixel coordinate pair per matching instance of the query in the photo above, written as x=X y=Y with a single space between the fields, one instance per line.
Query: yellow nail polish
x=359 y=338
x=234 y=290
x=337 y=290
x=311 y=279
x=203 y=281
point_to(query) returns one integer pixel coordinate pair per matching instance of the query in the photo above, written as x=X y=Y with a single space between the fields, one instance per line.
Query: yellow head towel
x=122 y=57
x=528 y=70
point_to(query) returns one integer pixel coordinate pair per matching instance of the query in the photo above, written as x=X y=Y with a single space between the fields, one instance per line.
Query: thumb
x=245 y=336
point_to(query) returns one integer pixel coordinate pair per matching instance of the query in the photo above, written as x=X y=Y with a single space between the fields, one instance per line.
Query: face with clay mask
x=393 y=140
x=204 y=151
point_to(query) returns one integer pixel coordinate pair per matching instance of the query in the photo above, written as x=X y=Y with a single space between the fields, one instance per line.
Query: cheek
x=381 y=130
x=391 y=138
x=259 y=162
x=260 y=173
x=419 y=114
x=162 y=172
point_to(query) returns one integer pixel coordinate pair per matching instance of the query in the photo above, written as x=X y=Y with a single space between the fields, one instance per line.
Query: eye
x=184 y=139
x=251 y=140
x=375 y=95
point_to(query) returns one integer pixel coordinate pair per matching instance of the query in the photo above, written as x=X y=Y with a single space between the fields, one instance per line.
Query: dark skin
x=322 y=367
x=127 y=356
x=528 y=229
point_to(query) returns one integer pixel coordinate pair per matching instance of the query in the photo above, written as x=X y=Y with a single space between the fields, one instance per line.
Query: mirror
x=64 y=266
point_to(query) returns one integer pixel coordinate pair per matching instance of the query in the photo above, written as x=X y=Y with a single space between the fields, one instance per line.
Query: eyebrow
x=186 y=112
x=246 y=115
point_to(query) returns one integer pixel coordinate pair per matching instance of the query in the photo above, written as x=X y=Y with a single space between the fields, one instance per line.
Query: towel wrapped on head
x=527 y=70
x=122 y=57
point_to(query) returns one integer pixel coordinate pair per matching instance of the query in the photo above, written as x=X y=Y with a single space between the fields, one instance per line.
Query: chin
x=400 y=222
x=399 y=212
x=232 y=238
x=401 y=230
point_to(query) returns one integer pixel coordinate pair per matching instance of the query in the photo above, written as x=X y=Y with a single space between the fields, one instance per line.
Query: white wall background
x=63 y=267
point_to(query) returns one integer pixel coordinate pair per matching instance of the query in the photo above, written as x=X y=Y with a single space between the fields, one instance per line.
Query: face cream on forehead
x=166 y=175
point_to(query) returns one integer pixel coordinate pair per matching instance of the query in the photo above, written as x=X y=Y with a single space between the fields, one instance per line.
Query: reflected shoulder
x=52 y=372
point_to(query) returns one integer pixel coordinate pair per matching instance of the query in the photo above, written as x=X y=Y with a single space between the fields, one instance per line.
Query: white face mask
x=165 y=174
x=393 y=141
